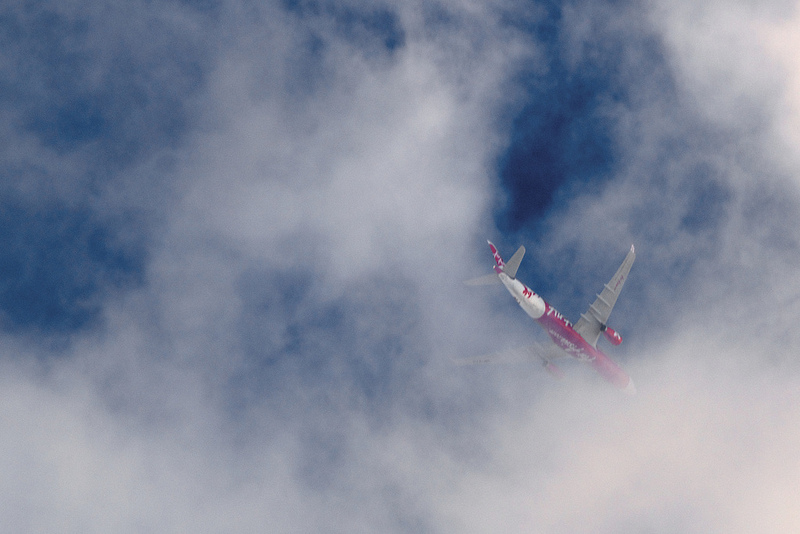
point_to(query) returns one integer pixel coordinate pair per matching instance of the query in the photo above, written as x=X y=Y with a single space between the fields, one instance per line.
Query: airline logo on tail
x=498 y=260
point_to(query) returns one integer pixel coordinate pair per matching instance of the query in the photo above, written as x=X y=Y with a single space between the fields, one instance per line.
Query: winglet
x=630 y=389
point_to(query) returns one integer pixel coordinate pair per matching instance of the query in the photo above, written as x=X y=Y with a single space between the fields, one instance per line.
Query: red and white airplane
x=579 y=340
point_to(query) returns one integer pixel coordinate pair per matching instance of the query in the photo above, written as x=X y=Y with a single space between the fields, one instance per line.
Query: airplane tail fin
x=497 y=259
x=511 y=267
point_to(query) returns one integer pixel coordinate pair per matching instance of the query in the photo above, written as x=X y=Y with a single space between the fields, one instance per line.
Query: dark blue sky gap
x=59 y=260
x=55 y=267
x=563 y=136
x=558 y=139
x=364 y=28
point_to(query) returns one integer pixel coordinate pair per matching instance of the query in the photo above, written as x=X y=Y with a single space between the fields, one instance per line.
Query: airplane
x=578 y=341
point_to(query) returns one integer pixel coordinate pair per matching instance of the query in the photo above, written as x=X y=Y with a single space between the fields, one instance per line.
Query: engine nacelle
x=612 y=336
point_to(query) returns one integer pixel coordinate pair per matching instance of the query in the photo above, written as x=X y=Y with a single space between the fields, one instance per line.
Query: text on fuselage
x=552 y=311
x=569 y=347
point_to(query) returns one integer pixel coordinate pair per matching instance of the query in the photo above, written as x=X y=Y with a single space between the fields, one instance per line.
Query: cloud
x=275 y=206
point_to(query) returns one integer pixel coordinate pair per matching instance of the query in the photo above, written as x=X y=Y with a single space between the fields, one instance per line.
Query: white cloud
x=218 y=398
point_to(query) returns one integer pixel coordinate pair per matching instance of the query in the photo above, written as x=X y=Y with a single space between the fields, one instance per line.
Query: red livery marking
x=621 y=279
x=527 y=292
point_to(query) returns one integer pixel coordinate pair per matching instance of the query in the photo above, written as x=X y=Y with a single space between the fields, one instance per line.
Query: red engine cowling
x=612 y=336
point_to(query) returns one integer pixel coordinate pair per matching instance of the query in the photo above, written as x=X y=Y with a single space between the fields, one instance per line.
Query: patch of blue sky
x=113 y=104
x=374 y=29
x=563 y=136
x=70 y=92
x=57 y=265
x=209 y=7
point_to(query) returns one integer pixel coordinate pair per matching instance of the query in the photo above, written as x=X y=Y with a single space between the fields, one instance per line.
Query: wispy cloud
x=236 y=233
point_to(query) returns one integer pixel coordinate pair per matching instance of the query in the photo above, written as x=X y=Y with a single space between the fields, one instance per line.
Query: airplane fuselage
x=561 y=332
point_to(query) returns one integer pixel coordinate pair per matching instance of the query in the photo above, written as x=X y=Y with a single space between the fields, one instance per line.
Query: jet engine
x=612 y=335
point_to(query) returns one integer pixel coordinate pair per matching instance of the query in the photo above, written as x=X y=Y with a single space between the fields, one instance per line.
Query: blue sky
x=232 y=236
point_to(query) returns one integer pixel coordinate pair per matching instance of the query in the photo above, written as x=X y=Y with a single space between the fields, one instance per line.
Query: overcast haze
x=233 y=234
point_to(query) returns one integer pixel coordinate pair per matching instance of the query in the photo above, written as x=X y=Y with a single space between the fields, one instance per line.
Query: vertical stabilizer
x=497 y=259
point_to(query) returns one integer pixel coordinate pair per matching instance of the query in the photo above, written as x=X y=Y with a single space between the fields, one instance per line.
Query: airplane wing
x=521 y=354
x=516 y=355
x=592 y=323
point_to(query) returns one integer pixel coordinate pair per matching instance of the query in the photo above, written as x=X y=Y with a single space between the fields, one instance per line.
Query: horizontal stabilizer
x=489 y=279
x=513 y=264
x=536 y=352
x=508 y=356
